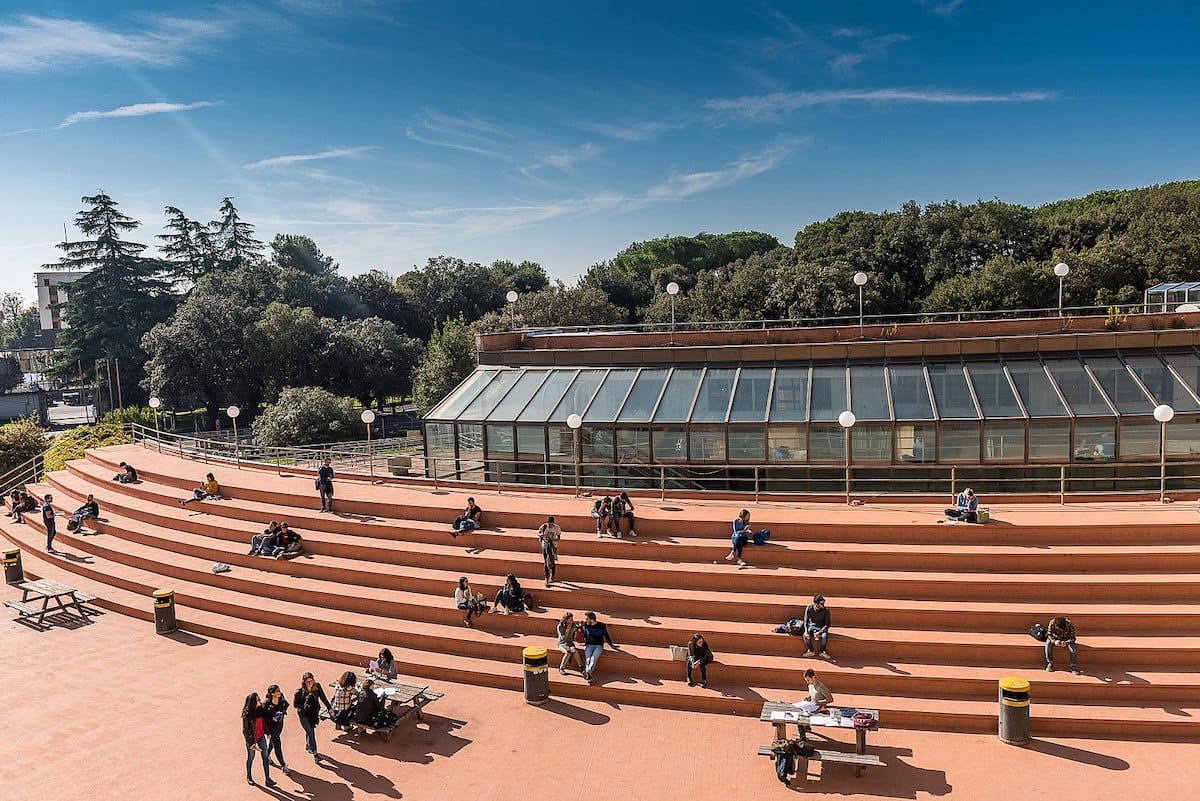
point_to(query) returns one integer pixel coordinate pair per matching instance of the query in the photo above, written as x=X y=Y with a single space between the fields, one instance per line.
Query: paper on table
x=784 y=716
x=807 y=706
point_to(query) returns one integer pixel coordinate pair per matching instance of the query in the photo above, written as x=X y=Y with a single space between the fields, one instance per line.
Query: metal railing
x=28 y=472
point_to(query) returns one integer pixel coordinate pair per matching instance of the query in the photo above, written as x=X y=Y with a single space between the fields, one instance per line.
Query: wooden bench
x=25 y=609
x=858 y=760
x=410 y=698
x=83 y=597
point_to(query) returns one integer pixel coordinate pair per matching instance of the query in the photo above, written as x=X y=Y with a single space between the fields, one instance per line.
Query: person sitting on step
x=467 y=601
x=209 y=490
x=1061 y=632
x=741 y=535
x=263 y=544
x=468 y=520
x=510 y=598
x=89 y=511
x=698 y=655
x=286 y=544
x=14 y=502
x=128 y=474
x=602 y=514
x=817 y=620
x=966 y=507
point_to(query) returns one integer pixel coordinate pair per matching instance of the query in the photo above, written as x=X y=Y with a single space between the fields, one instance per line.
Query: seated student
x=210 y=489
x=510 y=598
x=622 y=509
x=966 y=506
x=28 y=504
x=345 y=696
x=14 y=501
x=262 y=544
x=1061 y=632
x=818 y=693
x=468 y=520
x=368 y=704
x=384 y=665
x=466 y=600
x=128 y=474
x=286 y=543
x=602 y=514
x=739 y=538
x=89 y=511
x=698 y=655
x=815 y=627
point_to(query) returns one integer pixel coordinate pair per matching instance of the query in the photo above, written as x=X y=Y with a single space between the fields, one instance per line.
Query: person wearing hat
x=816 y=627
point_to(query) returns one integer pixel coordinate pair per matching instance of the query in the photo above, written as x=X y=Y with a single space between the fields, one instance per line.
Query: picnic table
x=401 y=697
x=55 y=597
x=781 y=713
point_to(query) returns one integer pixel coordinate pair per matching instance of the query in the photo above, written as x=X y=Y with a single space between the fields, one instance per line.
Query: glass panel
x=643 y=397
x=531 y=442
x=608 y=400
x=669 y=444
x=750 y=397
x=959 y=443
x=515 y=400
x=1004 y=442
x=707 y=444
x=827 y=443
x=871 y=443
x=499 y=440
x=910 y=395
x=712 y=404
x=789 y=403
x=1049 y=441
x=788 y=443
x=578 y=395
x=478 y=408
x=539 y=409
x=1119 y=385
x=1139 y=439
x=1095 y=440
x=633 y=445
x=748 y=444
x=439 y=439
x=677 y=399
x=1163 y=385
x=596 y=444
x=1183 y=438
x=1080 y=392
x=868 y=396
x=1187 y=367
x=1036 y=391
x=457 y=400
x=470 y=441
x=562 y=443
x=916 y=443
x=950 y=392
x=828 y=393
x=992 y=390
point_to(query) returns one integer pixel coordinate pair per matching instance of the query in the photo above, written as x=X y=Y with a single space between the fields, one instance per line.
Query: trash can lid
x=12 y=554
x=534 y=652
x=1014 y=684
x=163 y=593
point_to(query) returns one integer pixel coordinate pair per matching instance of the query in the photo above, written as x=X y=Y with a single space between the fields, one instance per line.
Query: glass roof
x=1093 y=385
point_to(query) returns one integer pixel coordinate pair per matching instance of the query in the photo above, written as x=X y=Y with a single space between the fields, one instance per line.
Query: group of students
x=277 y=541
x=510 y=599
x=588 y=636
x=608 y=512
x=20 y=502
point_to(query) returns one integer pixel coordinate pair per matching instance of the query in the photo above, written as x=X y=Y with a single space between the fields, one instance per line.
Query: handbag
x=679 y=653
x=862 y=720
x=580 y=637
x=1038 y=632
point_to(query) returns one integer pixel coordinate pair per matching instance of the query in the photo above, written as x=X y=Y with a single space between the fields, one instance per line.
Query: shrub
x=306 y=416
x=142 y=415
x=20 y=441
x=71 y=444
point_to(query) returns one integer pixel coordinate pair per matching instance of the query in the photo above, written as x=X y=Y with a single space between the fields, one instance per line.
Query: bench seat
x=25 y=609
x=858 y=760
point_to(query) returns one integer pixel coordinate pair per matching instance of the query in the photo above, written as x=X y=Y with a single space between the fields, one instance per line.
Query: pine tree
x=234 y=239
x=188 y=246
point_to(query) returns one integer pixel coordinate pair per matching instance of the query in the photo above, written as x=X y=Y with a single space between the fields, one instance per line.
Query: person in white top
x=466 y=600
x=549 y=534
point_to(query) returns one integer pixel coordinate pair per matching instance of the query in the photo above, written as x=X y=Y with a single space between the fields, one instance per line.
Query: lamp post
x=860 y=278
x=672 y=290
x=1061 y=269
x=1163 y=414
x=511 y=297
x=233 y=413
x=847 y=420
x=368 y=417
x=155 y=402
x=574 y=421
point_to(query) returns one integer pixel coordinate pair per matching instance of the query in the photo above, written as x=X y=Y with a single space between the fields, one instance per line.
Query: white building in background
x=51 y=295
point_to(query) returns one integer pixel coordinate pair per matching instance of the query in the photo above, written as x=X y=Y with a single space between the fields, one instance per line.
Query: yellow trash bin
x=164 y=611
x=537 y=674
x=13 y=571
x=1014 y=710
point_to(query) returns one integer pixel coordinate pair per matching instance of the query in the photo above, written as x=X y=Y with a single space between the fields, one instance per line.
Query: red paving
x=128 y=714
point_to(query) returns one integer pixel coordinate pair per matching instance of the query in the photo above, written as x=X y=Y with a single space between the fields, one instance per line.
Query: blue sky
x=560 y=132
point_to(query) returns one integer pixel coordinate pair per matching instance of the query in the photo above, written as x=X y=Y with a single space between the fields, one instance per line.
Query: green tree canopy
x=307 y=416
x=449 y=357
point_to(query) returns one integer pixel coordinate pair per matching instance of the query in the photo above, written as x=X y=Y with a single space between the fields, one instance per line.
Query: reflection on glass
x=712 y=403
x=677 y=398
x=992 y=390
x=826 y=443
x=518 y=396
x=789 y=402
x=828 y=393
x=1187 y=367
x=750 y=396
x=578 y=395
x=1004 y=442
x=439 y=439
x=562 y=443
x=456 y=401
x=1183 y=438
x=669 y=444
x=643 y=397
x=610 y=396
x=1036 y=391
x=871 y=443
x=1081 y=393
x=868 y=394
x=547 y=397
x=910 y=395
x=707 y=443
x=596 y=444
x=499 y=440
x=959 y=443
x=633 y=445
x=1162 y=383
x=1139 y=439
x=916 y=443
x=1049 y=441
x=788 y=443
x=1095 y=440
x=531 y=442
x=950 y=392
x=747 y=444
x=470 y=441
x=483 y=403
x=1119 y=385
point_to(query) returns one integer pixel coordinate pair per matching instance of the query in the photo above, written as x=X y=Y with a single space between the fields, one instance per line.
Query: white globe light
x=155 y=403
x=367 y=416
x=672 y=288
x=1061 y=269
x=847 y=419
x=512 y=296
x=860 y=279
x=1164 y=413
x=574 y=421
x=233 y=412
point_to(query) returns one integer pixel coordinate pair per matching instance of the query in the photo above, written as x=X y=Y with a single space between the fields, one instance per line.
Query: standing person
x=464 y=599
x=966 y=507
x=818 y=693
x=325 y=485
x=741 y=535
x=254 y=732
x=209 y=489
x=307 y=701
x=549 y=534
x=699 y=655
x=345 y=695
x=626 y=512
x=48 y=514
x=595 y=634
x=468 y=520
x=817 y=620
x=1061 y=632
x=275 y=708
x=566 y=643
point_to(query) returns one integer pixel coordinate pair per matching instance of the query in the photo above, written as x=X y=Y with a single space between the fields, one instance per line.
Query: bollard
x=164 y=611
x=537 y=674
x=13 y=572
x=1014 y=710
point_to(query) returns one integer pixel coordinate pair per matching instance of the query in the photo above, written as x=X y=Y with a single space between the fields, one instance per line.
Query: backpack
x=761 y=536
x=1038 y=632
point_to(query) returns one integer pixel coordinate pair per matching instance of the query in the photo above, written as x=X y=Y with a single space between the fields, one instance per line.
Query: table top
x=832 y=719
x=46 y=588
x=400 y=692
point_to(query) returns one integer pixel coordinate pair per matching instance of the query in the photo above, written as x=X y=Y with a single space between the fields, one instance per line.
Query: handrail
x=27 y=472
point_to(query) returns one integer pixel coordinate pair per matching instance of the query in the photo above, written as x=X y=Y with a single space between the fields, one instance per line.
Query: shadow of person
x=1080 y=755
x=416 y=741
x=315 y=787
x=361 y=778
x=897 y=779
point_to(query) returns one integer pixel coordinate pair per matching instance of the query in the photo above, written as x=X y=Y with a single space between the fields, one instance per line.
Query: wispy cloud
x=942 y=6
x=770 y=105
x=35 y=44
x=469 y=134
x=136 y=110
x=564 y=160
x=678 y=187
x=633 y=132
x=846 y=63
x=332 y=153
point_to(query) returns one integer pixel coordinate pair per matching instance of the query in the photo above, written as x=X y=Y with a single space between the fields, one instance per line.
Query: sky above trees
x=561 y=132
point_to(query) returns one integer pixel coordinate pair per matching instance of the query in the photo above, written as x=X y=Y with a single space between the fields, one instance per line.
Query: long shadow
x=74 y=557
x=416 y=742
x=575 y=713
x=897 y=779
x=1078 y=755
x=360 y=778
x=186 y=638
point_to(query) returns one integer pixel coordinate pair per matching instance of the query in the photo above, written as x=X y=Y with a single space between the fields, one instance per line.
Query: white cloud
x=768 y=105
x=633 y=132
x=332 y=153
x=846 y=63
x=136 y=110
x=33 y=44
x=468 y=134
x=681 y=186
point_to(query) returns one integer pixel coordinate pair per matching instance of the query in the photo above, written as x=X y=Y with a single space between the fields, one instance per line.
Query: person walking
x=308 y=701
x=549 y=534
x=566 y=643
x=817 y=620
x=325 y=486
x=595 y=634
x=254 y=732
x=699 y=655
x=1061 y=632
x=275 y=708
x=48 y=515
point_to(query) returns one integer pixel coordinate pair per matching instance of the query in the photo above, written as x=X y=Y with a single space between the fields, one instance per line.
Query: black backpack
x=1038 y=632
